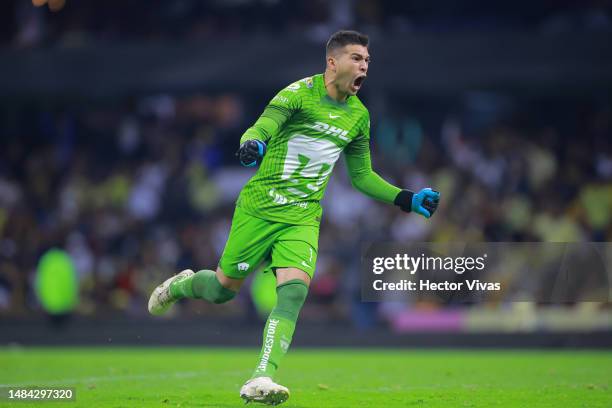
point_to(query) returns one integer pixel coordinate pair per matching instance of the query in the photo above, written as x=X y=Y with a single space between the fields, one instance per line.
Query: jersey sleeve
x=359 y=165
x=277 y=112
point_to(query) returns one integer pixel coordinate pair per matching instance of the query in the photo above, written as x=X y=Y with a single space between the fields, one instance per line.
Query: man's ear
x=331 y=63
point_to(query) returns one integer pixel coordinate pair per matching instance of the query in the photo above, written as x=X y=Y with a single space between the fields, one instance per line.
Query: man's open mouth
x=358 y=81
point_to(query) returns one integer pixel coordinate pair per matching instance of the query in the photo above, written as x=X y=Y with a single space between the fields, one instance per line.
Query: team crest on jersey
x=308 y=82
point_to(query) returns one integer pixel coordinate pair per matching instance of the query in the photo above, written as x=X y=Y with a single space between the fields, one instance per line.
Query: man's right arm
x=253 y=143
x=274 y=116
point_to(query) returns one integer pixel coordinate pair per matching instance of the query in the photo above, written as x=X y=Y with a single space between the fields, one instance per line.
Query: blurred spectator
x=75 y=23
x=139 y=189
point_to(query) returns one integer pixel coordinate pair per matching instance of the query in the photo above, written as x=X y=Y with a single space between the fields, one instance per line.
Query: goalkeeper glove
x=251 y=152
x=425 y=202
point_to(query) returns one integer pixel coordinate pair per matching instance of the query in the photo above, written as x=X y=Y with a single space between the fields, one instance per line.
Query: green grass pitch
x=363 y=378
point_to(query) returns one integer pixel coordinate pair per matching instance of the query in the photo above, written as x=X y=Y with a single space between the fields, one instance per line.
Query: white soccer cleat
x=161 y=299
x=264 y=390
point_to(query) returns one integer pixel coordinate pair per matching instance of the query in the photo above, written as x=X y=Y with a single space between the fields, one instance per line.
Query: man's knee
x=229 y=283
x=294 y=291
x=291 y=296
x=284 y=275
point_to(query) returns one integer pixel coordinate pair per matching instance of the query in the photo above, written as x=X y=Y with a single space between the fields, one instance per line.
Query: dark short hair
x=345 y=37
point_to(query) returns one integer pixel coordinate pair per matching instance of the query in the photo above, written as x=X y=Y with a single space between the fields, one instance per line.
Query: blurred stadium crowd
x=138 y=189
x=88 y=21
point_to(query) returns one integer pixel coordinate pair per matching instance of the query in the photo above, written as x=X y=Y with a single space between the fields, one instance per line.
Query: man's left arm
x=368 y=182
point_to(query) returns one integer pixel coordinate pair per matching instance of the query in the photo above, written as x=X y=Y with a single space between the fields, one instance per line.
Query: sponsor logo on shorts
x=243 y=266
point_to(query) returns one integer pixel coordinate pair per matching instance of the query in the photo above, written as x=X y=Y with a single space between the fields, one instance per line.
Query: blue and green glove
x=251 y=152
x=425 y=202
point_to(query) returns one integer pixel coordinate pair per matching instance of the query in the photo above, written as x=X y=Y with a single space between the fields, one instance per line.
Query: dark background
x=119 y=122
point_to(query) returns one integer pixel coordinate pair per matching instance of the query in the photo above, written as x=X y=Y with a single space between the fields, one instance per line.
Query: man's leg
x=248 y=244
x=292 y=288
x=214 y=287
x=294 y=256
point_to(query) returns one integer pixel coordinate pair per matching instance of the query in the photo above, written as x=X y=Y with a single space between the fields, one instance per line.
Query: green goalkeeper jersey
x=305 y=131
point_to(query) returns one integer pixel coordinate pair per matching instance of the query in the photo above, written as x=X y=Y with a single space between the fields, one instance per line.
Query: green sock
x=202 y=285
x=280 y=326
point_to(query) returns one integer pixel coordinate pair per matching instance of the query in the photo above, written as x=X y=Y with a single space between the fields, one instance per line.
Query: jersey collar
x=324 y=95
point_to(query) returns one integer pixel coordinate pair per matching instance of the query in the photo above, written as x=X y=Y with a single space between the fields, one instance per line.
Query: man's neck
x=332 y=88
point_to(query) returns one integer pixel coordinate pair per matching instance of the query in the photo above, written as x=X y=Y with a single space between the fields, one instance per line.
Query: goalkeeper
x=296 y=142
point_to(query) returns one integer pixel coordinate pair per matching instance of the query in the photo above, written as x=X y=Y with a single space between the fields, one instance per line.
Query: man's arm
x=268 y=125
x=253 y=142
x=365 y=180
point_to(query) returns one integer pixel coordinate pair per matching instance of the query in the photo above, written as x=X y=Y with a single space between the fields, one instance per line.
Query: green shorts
x=253 y=241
